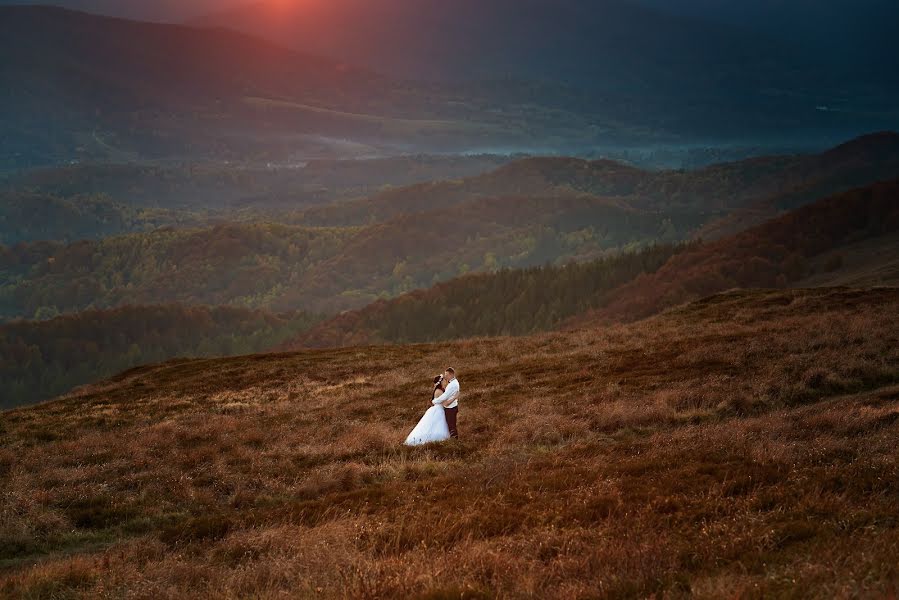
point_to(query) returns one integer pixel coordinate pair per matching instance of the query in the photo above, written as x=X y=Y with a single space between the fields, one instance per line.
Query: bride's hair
x=438 y=379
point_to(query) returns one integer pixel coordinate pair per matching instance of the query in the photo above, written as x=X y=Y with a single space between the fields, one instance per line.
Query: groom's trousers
x=451 y=414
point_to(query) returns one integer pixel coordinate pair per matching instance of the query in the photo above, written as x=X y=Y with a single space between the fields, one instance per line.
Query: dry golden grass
x=743 y=446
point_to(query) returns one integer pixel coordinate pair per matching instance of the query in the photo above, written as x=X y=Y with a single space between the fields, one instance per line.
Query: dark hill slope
x=42 y=359
x=867 y=159
x=777 y=253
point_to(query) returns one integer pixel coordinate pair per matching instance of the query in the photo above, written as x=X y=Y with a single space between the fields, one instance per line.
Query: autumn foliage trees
x=775 y=254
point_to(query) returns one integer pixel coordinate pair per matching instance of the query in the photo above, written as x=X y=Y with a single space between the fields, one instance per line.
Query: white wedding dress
x=431 y=428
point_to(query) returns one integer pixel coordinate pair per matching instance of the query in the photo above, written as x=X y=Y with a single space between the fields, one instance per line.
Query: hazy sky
x=156 y=10
x=828 y=25
x=750 y=12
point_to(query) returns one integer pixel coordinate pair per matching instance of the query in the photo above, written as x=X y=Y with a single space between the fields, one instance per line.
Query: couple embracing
x=439 y=422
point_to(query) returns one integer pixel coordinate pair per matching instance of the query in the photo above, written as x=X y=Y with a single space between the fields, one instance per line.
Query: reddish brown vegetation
x=771 y=255
x=743 y=446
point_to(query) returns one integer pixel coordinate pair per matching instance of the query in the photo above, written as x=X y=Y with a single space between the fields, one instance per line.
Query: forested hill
x=88 y=201
x=778 y=253
x=318 y=269
x=778 y=182
x=242 y=265
x=42 y=359
x=508 y=302
x=527 y=213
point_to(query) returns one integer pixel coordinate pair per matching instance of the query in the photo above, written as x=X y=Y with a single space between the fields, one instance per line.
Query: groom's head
x=450 y=373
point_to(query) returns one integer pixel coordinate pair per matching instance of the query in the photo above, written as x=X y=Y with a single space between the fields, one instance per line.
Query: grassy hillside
x=778 y=253
x=742 y=446
x=42 y=359
x=867 y=262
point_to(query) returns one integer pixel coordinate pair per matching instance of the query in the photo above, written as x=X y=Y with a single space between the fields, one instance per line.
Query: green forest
x=320 y=269
x=46 y=358
x=507 y=302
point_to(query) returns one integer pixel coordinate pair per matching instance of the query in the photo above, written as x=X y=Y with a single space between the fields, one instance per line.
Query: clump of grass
x=207 y=527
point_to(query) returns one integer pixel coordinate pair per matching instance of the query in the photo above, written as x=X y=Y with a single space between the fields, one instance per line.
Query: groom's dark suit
x=451 y=414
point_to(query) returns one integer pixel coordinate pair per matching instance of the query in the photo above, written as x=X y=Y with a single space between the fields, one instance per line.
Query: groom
x=450 y=400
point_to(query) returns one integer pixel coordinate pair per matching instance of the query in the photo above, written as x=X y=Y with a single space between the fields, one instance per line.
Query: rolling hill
x=776 y=253
x=42 y=359
x=740 y=446
x=28 y=217
x=89 y=201
x=717 y=198
x=287 y=267
x=244 y=265
x=804 y=247
x=505 y=302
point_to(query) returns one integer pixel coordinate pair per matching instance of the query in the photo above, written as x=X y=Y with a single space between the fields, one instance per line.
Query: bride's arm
x=439 y=399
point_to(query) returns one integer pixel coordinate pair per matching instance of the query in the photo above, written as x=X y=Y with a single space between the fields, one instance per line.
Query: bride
x=432 y=427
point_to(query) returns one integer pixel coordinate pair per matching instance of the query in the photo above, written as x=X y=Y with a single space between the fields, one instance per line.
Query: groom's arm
x=442 y=398
x=449 y=396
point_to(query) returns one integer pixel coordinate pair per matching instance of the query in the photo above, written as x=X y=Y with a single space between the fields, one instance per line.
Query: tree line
x=42 y=359
x=507 y=302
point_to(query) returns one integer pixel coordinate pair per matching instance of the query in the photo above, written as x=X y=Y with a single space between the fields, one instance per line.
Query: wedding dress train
x=431 y=428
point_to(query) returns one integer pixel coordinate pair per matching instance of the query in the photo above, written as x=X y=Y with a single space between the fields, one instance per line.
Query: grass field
x=742 y=446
